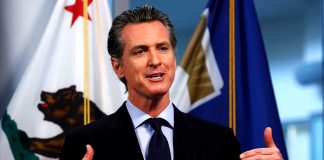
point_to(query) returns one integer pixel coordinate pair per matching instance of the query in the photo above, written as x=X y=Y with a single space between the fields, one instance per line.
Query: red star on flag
x=77 y=10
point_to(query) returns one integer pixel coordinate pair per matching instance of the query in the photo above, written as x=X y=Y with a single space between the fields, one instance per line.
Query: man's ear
x=117 y=66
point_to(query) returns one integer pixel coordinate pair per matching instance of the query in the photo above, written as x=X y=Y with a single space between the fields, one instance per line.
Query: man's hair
x=137 y=15
x=141 y=14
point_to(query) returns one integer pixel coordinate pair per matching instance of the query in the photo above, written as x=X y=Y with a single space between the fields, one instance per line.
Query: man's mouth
x=155 y=77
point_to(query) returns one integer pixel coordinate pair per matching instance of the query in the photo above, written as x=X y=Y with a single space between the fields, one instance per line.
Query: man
x=142 y=47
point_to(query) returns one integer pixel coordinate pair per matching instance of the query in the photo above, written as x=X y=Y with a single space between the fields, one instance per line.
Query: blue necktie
x=158 y=146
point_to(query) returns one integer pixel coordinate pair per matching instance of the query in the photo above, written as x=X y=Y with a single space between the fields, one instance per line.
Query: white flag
x=198 y=78
x=48 y=101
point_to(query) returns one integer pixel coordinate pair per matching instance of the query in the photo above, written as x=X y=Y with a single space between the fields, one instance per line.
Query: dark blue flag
x=243 y=98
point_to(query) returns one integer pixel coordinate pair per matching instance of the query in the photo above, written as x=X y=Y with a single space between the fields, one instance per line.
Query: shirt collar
x=138 y=116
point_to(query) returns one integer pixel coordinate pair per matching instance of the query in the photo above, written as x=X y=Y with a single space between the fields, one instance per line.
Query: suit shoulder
x=205 y=134
x=95 y=127
x=201 y=124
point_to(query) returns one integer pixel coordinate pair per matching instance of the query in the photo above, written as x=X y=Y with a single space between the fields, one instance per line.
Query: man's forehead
x=145 y=32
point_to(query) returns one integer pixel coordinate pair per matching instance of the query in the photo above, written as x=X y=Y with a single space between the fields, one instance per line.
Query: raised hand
x=89 y=154
x=271 y=152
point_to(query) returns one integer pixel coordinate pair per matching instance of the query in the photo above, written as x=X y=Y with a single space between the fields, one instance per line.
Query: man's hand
x=89 y=154
x=269 y=153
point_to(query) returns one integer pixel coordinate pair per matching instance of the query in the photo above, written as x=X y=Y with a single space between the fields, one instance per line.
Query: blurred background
x=292 y=33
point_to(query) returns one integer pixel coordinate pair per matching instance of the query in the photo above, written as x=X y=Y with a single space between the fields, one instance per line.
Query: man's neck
x=152 y=106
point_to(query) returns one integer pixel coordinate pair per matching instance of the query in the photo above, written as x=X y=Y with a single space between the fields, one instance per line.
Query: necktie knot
x=157 y=123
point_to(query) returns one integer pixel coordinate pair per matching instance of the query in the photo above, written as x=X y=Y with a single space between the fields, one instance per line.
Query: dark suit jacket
x=114 y=138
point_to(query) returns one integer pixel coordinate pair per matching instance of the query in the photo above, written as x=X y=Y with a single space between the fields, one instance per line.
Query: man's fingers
x=258 y=151
x=269 y=153
x=262 y=152
x=89 y=154
x=268 y=138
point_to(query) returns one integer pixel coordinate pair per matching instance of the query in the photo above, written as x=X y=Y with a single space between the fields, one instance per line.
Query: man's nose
x=154 y=58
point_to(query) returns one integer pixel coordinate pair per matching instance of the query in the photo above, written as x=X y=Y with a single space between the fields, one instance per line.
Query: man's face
x=148 y=61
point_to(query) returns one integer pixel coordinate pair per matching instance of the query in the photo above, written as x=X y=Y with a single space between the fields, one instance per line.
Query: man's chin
x=159 y=93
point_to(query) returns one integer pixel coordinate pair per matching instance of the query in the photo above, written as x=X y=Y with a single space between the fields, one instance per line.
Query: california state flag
x=69 y=75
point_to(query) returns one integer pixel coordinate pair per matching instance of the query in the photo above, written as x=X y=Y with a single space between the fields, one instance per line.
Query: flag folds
x=227 y=75
x=70 y=70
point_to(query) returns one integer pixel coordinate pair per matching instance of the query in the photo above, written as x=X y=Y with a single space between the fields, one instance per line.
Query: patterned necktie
x=158 y=146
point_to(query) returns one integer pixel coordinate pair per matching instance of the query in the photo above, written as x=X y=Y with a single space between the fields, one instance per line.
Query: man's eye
x=139 y=52
x=164 y=48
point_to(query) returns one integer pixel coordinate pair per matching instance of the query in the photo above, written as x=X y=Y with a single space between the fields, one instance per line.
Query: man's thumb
x=268 y=138
x=89 y=154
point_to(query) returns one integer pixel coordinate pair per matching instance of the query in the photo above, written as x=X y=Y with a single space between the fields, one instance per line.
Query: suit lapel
x=127 y=146
x=183 y=140
x=126 y=141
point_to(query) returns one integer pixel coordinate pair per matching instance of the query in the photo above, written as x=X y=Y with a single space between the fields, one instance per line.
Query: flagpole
x=232 y=82
x=86 y=64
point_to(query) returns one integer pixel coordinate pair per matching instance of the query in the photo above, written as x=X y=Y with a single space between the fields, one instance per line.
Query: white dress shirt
x=144 y=132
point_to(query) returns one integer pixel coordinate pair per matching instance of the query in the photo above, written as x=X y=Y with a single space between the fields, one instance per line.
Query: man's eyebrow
x=139 y=46
x=143 y=46
x=163 y=43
